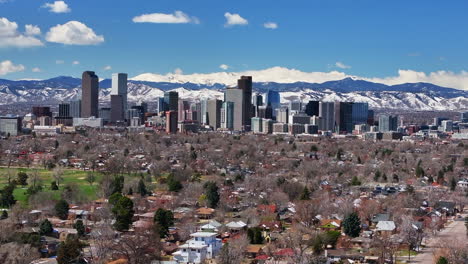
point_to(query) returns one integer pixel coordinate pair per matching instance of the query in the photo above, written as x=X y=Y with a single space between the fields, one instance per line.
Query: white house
x=202 y=245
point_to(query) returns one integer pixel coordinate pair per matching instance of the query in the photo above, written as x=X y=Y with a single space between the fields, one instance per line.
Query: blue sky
x=365 y=37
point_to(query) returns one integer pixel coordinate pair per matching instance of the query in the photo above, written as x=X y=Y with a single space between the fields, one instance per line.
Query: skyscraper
x=161 y=105
x=388 y=123
x=171 y=99
x=90 y=94
x=119 y=87
x=464 y=117
x=236 y=96
x=75 y=108
x=327 y=116
x=182 y=108
x=257 y=101
x=171 y=122
x=312 y=108
x=117 y=112
x=273 y=99
x=245 y=84
x=64 y=110
x=214 y=113
x=227 y=115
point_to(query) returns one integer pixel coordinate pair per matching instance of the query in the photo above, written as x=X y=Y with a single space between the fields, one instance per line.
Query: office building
x=327 y=116
x=39 y=111
x=265 y=111
x=348 y=114
x=89 y=95
x=227 y=116
x=311 y=129
x=282 y=115
x=117 y=111
x=447 y=125
x=299 y=119
x=64 y=110
x=171 y=122
x=171 y=100
x=388 y=123
x=312 y=108
x=45 y=121
x=267 y=126
x=438 y=121
x=280 y=128
x=257 y=125
x=236 y=96
x=75 y=108
x=464 y=117
x=257 y=101
x=119 y=87
x=182 y=108
x=88 y=122
x=105 y=114
x=295 y=129
x=10 y=125
x=245 y=84
x=295 y=106
x=162 y=107
x=214 y=113
x=273 y=99
x=203 y=111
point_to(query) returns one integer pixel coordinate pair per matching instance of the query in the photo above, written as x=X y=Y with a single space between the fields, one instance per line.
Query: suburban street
x=455 y=231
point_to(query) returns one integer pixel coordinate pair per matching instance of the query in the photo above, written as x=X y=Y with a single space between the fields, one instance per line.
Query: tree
x=4 y=215
x=142 y=188
x=69 y=252
x=377 y=175
x=442 y=260
x=331 y=237
x=58 y=175
x=123 y=212
x=54 y=186
x=61 y=209
x=7 y=199
x=355 y=181
x=305 y=195
x=453 y=184
x=233 y=251
x=173 y=184
x=90 y=178
x=22 y=178
x=255 y=235
x=163 y=219
x=80 y=228
x=212 y=194
x=466 y=224
x=117 y=184
x=45 y=227
x=352 y=225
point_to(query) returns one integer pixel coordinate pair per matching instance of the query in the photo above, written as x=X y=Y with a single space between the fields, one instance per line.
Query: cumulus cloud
x=36 y=69
x=73 y=33
x=75 y=62
x=11 y=37
x=341 y=65
x=8 y=67
x=178 y=17
x=108 y=68
x=32 y=30
x=270 y=25
x=57 y=7
x=224 y=66
x=234 y=19
x=178 y=71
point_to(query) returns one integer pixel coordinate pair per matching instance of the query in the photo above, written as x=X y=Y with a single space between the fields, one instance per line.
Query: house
x=380 y=217
x=361 y=242
x=446 y=207
x=330 y=224
x=205 y=213
x=253 y=251
x=202 y=246
x=212 y=226
x=385 y=227
x=236 y=226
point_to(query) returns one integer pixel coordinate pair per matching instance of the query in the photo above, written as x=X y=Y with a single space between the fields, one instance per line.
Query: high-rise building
x=265 y=111
x=75 y=108
x=89 y=95
x=182 y=108
x=257 y=101
x=388 y=123
x=257 y=125
x=464 y=117
x=105 y=114
x=119 y=87
x=438 y=120
x=171 y=122
x=236 y=96
x=447 y=126
x=245 y=84
x=39 y=111
x=312 y=108
x=360 y=113
x=343 y=117
x=117 y=111
x=203 y=107
x=327 y=116
x=64 y=110
x=214 y=113
x=282 y=115
x=273 y=99
x=162 y=107
x=10 y=125
x=295 y=106
x=227 y=115
x=171 y=99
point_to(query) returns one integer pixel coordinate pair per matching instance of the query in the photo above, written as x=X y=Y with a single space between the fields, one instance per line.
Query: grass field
x=77 y=177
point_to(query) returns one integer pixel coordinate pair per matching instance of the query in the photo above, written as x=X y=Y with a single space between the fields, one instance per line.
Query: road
x=455 y=231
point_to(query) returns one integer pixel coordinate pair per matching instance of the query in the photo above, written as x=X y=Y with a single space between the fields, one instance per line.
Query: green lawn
x=77 y=177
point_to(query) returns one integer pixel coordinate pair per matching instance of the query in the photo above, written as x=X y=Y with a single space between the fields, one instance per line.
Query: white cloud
x=234 y=19
x=73 y=33
x=11 y=37
x=108 y=68
x=75 y=62
x=178 y=71
x=32 y=30
x=36 y=69
x=59 y=62
x=224 y=66
x=270 y=25
x=57 y=7
x=8 y=67
x=341 y=65
x=178 y=17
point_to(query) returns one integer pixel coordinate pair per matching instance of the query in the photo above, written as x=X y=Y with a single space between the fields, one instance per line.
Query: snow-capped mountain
x=410 y=96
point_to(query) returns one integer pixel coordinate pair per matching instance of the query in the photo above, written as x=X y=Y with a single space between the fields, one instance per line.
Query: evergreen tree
x=255 y=235
x=80 y=228
x=22 y=178
x=7 y=199
x=212 y=194
x=142 y=188
x=377 y=175
x=453 y=184
x=173 y=184
x=164 y=219
x=352 y=225
x=61 y=209
x=4 y=215
x=123 y=212
x=53 y=186
x=355 y=181
x=117 y=184
x=45 y=227
x=69 y=252
x=305 y=195
x=442 y=260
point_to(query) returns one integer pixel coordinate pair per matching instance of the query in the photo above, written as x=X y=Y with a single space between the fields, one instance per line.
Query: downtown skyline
x=364 y=39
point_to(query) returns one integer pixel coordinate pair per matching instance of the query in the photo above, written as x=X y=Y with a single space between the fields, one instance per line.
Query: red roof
x=262 y=257
x=267 y=208
x=286 y=252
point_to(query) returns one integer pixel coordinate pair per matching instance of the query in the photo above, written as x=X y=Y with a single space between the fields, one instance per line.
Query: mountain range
x=148 y=87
